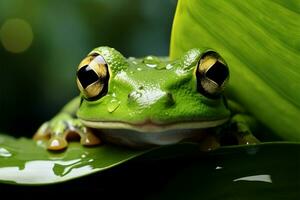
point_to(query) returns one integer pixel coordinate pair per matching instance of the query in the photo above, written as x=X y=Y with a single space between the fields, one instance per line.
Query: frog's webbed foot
x=209 y=143
x=63 y=128
x=239 y=129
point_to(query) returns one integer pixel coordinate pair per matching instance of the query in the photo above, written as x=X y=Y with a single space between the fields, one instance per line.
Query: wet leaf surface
x=171 y=172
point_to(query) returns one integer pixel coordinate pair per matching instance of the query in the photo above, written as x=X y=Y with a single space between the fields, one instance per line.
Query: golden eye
x=212 y=74
x=92 y=77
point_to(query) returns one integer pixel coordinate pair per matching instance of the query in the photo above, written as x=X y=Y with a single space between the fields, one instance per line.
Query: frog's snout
x=148 y=97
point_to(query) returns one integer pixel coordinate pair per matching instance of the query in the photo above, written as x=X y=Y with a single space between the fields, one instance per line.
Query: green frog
x=150 y=101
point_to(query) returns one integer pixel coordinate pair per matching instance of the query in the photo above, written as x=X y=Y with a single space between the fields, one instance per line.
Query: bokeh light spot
x=16 y=35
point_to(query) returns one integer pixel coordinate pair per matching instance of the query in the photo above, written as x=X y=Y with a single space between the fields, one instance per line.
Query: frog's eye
x=212 y=74
x=92 y=77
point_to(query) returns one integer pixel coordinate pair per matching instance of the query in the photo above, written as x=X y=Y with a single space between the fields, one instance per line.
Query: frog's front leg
x=238 y=130
x=64 y=127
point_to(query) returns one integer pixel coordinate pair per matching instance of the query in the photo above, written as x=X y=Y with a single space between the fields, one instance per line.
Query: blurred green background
x=42 y=42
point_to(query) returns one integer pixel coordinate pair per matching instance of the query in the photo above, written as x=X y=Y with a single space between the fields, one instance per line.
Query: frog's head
x=152 y=93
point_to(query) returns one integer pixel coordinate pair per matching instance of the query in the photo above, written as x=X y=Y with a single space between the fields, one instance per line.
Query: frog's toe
x=59 y=140
x=43 y=132
x=57 y=143
x=244 y=135
x=247 y=139
x=57 y=135
x=89 y=139
x=209 y=143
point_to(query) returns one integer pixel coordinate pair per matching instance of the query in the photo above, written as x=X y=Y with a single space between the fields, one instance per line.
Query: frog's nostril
x=169 y=99
x=170 y=96
x=134 y=95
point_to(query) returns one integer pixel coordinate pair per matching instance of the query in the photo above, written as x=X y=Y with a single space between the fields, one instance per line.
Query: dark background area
x=42 y=42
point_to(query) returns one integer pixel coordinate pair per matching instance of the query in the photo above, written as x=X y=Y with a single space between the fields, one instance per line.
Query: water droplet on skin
x=160 y=66
x=180 y=72
x=113 y=105
x=5 y=153
x=130 y=58
x=169 y=66
x=150 y=61
x=149 y=58
x=135 y=94
x=151 y=65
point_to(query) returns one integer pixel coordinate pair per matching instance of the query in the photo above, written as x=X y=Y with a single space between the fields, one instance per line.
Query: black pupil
x=218 y=73
x=87 y=76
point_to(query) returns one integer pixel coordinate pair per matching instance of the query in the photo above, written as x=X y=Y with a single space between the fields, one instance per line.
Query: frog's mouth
x=150 y=126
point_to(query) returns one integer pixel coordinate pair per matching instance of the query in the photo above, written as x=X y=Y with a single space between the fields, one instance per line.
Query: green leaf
x=22 y=161
x=26 y=162
x=264 y=171
x=260 y=40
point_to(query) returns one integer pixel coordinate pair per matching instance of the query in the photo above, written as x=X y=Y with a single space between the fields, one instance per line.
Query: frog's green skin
x=149 y=101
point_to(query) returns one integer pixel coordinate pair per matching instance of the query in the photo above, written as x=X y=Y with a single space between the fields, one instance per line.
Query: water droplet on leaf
x=5 y=153
x=113 y=105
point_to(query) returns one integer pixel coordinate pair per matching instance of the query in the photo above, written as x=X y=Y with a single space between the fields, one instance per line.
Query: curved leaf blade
x=265 y=171
x=260 y=40
x=22 y=161
x=229 y=172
